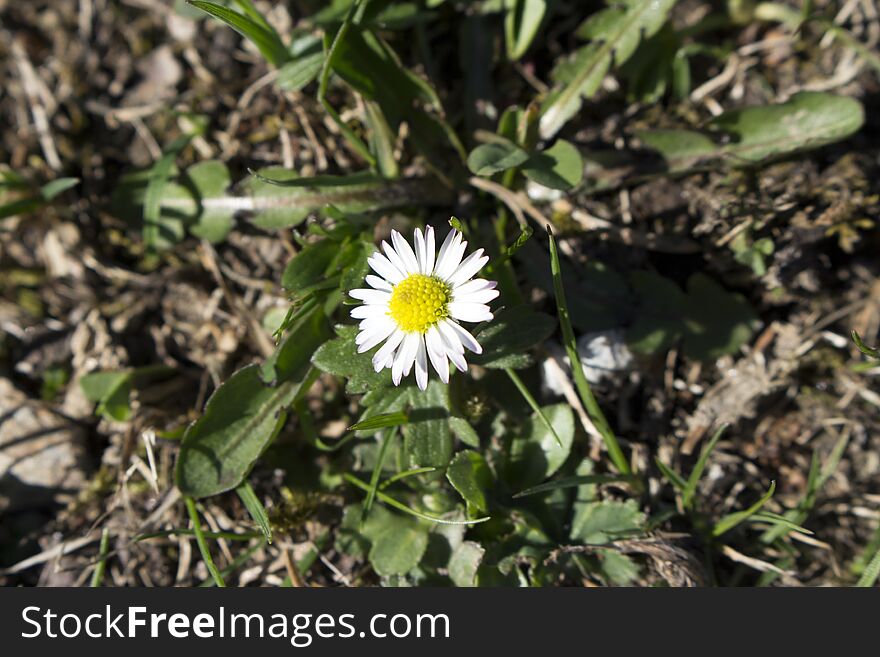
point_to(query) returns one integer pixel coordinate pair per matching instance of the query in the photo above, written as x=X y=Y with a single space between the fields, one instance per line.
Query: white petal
x=382 y=266
x=394 y=257
x=471 y=265
x=470 y=312
x=451 y=238
x=437 y=353
x=421 y=256
x=404 y=250
x=370 y=296
x=483 y=296
x=375 y=322
x=450 y=255
x=466 y=338
x=369 y=310
x=454 y=348
x=450 y=337
x=422 y=365
x=405 y=357
x=476 y=285
x=374 y=337
x=378 y=283
x=383 y=357
x=430 y=250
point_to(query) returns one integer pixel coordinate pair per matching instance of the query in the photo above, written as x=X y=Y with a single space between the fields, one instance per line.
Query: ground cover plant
x=439 y=292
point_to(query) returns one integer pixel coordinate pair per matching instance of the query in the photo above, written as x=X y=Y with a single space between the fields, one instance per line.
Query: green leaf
x=381 y=422
x=209 y=181
x=690 y=489
x=865 y=349
x=398 y=542
x=660 y=308
x=510 y=335
x=534 y=452
x=618 y=569
x=559 y=167
x=750 y=136
x=470 y=476
x=280 y=199
x=717 y=322
x=296 y=74
x=608 y=520
x=521 y=25
x=242 y=417
x=573 y=482
x=339 y=357
x=807 y=120
x=464 y=431
x=464 y=562
x=488 y=159
x=427 y=438
x=255 y=509
x=308 y=267
x=615 y=34
x=110 y=390
x=37 y=199
x=258 y=32
x=730 y=521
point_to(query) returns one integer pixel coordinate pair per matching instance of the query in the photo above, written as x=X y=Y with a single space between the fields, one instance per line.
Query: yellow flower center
x=418 y=302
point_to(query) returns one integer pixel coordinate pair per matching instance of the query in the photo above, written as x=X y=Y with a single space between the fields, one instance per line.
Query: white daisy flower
x=416 y=303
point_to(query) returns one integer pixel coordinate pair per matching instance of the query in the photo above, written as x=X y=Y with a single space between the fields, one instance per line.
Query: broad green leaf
x=534 y=452
x=559 y=167
x=252 y=27
x=494 y=157
x=470 y=476
x=615 y=34
x=209 y=181
x=521 y=24
x=398 y=542
x=506 y=340
x=464 y=562
x=807 y=120
x=280 y=199
x=110 y=390
x=658 y=321
x=242 y=417
x=464 y=431
x=339 y=357
x=427 y=438
x=608 y=520
x=717 y=322
x=753 y=135
x=618 y=569
x=308 y=267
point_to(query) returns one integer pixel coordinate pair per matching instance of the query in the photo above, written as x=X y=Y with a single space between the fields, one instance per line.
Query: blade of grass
x=572 y=482
x=98 y=575
x=255 y=508
x=778 y=520
x=531 y=402
x=403 y=475
x=872 y=572
x=687 y=495
x=203 y=544
x=865 y=349
x=257 y=32
x=324 y=80
x=730 y=521
x=381 y=421
x=577 y=368
x=377 y=472
x=231 y=568
x=671 y=475
x=400 y=506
